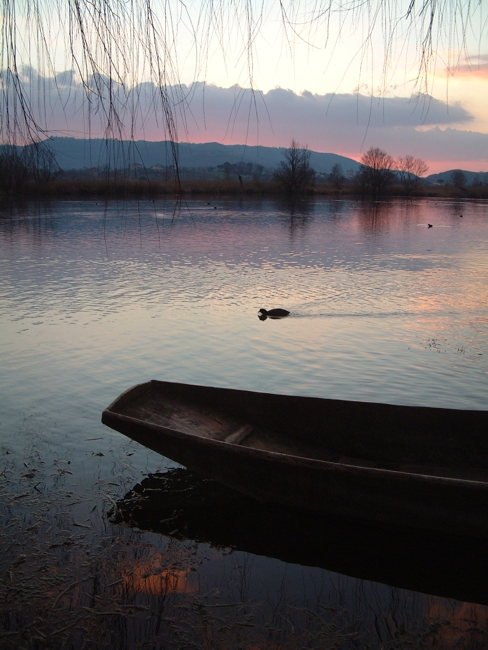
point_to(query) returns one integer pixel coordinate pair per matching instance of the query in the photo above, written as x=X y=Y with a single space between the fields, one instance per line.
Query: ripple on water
x=113 y=274
x=95 y=299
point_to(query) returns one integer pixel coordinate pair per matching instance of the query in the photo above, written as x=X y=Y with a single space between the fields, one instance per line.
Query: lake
x=97 y=297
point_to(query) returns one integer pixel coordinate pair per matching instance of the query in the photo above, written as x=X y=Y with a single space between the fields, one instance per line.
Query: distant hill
x=74 y=153
x=80 y=153
x=445 y=177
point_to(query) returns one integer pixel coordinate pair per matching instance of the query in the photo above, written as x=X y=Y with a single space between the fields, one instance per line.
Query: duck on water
x=263 y=314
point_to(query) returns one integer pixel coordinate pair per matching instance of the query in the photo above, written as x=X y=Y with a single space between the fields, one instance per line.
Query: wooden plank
x=240 y=435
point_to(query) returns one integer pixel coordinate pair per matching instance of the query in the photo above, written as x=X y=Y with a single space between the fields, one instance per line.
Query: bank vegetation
x=151 y=189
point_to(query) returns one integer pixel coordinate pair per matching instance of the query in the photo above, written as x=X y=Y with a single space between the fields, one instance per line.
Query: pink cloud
x=476 y=70
x=472 y=72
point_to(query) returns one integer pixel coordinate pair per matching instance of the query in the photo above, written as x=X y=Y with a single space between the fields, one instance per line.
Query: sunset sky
x=335 y=87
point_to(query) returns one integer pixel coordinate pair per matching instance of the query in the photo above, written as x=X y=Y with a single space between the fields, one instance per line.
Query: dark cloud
x=434 y=144
x=346 y=109
x=341 y=123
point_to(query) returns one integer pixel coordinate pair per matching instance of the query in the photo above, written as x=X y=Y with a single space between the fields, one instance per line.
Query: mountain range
x=79 y=153
x=75 y=153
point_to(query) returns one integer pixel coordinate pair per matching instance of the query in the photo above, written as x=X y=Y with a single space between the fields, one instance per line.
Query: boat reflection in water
x=180 y=504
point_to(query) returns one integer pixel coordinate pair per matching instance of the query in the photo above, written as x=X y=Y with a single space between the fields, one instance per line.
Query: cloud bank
x=346 y=124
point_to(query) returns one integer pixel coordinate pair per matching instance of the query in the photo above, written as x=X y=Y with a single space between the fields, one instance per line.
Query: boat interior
x=196 y=418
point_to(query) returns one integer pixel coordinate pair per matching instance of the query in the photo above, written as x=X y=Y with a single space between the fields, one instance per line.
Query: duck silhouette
x=263 y=314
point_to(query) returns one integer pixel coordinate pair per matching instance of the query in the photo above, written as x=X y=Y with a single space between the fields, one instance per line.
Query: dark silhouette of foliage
x=14 y=169
x=33 y=163
x=336 y=176
x=478 y=180
x=294 y=173
x=410 y=171
x=376 y=172
x=459 y=179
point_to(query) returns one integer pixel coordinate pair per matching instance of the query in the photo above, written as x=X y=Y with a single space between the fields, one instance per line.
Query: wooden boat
x=408 y=465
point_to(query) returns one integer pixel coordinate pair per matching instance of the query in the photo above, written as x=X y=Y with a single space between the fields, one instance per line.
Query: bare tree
x=294 y=173
x=411 y=170
x=42 y=162
x=459 y=179
x=337 y=177
x=14 y=168
x=34 y=163
x=376 y=170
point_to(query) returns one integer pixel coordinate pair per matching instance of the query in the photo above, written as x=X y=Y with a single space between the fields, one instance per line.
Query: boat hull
x=369 y=493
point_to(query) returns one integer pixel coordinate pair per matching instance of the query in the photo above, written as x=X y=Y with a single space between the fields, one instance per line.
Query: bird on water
x=272 y=313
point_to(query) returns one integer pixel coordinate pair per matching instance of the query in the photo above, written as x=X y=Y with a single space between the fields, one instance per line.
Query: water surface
x=96 y=297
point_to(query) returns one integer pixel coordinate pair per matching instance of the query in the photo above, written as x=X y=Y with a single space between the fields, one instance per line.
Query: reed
x=80 y=581
x=199 y=187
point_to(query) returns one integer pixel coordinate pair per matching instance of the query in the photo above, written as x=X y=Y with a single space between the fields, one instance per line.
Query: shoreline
x=194 y=188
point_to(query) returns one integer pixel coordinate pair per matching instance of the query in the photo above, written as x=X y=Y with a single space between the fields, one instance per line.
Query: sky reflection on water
x=372 y=294
x=98 y=297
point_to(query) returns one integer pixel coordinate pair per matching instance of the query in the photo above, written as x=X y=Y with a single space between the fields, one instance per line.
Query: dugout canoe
x=408 y=465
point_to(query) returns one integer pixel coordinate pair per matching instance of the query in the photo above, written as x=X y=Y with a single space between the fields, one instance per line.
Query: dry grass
x=126 y=189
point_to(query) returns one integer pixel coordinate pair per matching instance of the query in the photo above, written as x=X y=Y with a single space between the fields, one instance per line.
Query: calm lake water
x=98 y=297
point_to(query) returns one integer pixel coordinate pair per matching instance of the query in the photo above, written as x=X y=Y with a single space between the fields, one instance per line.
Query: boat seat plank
x=236 y=437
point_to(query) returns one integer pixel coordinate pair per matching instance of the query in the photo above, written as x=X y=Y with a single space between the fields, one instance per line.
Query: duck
x=429 y=225
x=272 y=313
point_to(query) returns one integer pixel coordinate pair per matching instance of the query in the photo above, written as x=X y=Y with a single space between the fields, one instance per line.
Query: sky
x=340 y=86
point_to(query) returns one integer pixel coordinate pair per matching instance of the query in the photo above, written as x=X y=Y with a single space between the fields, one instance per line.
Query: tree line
x=377 y=172
x=33 y=163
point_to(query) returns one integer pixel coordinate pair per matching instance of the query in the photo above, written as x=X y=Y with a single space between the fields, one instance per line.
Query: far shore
x=230 y=188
